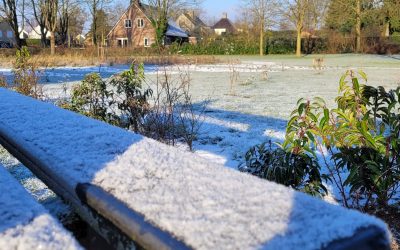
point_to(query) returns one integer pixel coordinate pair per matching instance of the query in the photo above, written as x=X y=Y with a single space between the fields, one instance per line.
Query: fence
x=136 y=191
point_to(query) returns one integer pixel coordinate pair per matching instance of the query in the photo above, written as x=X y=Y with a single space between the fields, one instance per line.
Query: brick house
x=193 y=25
x=134 y=28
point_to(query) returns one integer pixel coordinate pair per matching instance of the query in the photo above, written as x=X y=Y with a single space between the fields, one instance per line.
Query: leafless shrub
x=233 y=78
x=265 y=72
x=173 y=115
x=190 y=119
x=318 y=63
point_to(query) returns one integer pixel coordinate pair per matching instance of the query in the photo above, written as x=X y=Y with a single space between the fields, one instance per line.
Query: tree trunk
x=43 y=36
x=15 y=27
x=386 y=30
x=262 y=38
x=52 y=43
x=94 y=25
x=298 y=42
x=18 y=40
x=358 y=26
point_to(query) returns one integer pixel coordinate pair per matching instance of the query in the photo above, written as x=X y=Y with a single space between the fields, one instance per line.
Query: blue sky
x=215 y=8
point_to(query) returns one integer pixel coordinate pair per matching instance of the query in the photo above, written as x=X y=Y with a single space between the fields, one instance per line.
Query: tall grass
x=93 y=56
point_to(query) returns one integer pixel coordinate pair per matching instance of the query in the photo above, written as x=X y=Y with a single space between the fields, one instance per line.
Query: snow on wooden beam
x=199 y=204
x=24 y=223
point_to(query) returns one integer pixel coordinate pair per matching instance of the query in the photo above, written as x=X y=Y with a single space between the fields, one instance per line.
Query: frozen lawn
x=258 y=109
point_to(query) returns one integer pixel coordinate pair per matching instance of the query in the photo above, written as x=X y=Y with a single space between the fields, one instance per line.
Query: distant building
x=224 y=26
x=36 y=33
x=79 y=39
x=23 y=34
x=193 y=25
x=134 y=28
x=7 y=38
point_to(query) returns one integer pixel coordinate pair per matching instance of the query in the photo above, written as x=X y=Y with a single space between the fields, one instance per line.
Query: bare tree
x=70 y=20
x=51 y=8
x=246 y=23
x=351 y=11
x=263 y=12
x=63 y=20
x=116 y=10
x=94 y=7
x=316 y=14
x=296 y=11
x=8 y=11
x=38 y=9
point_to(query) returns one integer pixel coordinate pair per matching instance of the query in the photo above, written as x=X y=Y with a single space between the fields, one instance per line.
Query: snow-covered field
x=262 y=99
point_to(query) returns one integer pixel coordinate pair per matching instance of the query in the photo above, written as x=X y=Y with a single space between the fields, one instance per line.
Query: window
x=122 y=42
x=1 y=33
x=9 y=34
x=128 y=23
x=146 y=42
x=140 y=22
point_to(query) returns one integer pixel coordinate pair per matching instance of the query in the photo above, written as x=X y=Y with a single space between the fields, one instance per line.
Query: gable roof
x=225 y=23
x=174 y=30
x=195 y=20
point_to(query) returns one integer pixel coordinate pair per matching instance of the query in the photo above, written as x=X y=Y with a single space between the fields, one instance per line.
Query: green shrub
x=299 y=171
x=91 y=98
x=361 y=136
x=120 y=101
x=228 y=45
x=395 y=37
x=33 y=42
x=281 y=45
x=133 y=101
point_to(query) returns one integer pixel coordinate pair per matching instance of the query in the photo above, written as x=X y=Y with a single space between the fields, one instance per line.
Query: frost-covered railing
x=25 y=224
x=161 y=197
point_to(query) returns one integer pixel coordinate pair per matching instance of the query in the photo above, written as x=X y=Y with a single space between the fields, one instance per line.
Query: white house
x=36 y=33
x=80 y=39
x=23 y=34
x=224 y=26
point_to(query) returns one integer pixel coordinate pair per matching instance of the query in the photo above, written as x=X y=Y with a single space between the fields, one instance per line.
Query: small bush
x=299 y=171
x=122 y=101
x=361 y=137
x=132 y=102
x=91 y=98
x=26 y=75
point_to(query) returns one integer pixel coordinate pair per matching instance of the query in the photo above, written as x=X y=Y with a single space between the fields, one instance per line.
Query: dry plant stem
x=233 y=77
x=334 y=173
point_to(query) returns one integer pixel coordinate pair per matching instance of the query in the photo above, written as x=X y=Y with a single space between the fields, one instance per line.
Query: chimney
x=225 y=15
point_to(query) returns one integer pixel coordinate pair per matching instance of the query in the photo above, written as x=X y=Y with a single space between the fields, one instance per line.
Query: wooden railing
x=133 y=190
